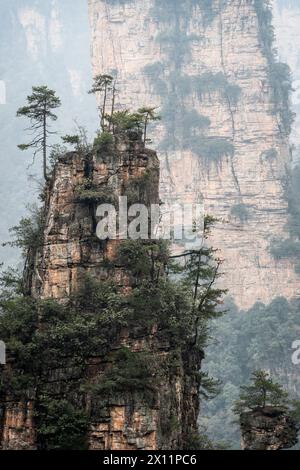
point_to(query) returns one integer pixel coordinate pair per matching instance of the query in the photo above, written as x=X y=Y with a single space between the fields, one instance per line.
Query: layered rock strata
x=222 y=139
x=69 y=251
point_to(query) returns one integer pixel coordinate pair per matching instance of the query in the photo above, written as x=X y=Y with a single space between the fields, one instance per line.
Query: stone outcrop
x=269 y=428
x=70 y=247
x=17 y=427
x=69 y=251
x=157 y=61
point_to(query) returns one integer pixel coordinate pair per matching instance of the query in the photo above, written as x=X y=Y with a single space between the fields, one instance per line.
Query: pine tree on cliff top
x=39 y=111
x=262 y=392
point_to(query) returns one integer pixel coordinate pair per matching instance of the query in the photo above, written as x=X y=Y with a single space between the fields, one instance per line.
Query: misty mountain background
x=42 y=42
x=47 y=42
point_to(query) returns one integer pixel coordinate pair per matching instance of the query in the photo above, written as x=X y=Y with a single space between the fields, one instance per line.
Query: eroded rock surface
x=70 y=250
x=245 y=188
x=269 y=428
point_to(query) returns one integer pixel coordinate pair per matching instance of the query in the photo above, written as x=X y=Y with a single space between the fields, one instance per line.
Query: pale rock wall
x=71 y=247
x=286 y=23
x=124 y=38
x=69 y=250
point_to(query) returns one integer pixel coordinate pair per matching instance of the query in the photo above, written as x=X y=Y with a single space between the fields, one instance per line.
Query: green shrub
x=233 y=93
x=129 y=372
x=88 y=192
x=279 y=73
x=193 y=120
x=60 y=425
x=167 y=10
x=281 y=83
x=123 y=121
x=28 y=235
x=143 y=258
x=103 y=142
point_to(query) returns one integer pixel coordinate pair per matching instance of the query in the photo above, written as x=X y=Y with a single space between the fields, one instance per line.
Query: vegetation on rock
x=39 y=110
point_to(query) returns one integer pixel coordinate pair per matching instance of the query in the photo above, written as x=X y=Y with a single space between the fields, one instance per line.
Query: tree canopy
x=39 y=110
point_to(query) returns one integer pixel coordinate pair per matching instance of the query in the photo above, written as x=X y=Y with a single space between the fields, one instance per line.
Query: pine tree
x=103 y=84
x=262 y=392
x=39 y=111
x=148 y=115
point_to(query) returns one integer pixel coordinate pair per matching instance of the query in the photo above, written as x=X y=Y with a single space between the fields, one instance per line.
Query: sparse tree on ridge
x=148 y=114
x=39 y=111
x=261 y=392
x=103 y=84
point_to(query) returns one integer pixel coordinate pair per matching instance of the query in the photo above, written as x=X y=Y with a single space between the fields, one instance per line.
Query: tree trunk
x=112 y=108
x=145 y=129
x=45 y=147
x=104 y=107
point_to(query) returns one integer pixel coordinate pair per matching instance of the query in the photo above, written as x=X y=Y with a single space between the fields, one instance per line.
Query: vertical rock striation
x=69 y=251
x=70 y=247
x=224 y=138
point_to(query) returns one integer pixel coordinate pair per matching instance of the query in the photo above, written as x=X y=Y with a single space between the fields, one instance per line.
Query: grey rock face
x=269 y=428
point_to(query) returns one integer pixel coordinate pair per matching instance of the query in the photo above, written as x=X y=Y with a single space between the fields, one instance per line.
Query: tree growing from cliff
x=39 y=110
x=103 y=84
x=148 y=115
x=123 y=121
x=261 y=392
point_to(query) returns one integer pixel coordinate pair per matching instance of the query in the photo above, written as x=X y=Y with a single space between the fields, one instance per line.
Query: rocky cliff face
x=70 y=250
x=268 y=429
x=224 y=137
x=71 y=247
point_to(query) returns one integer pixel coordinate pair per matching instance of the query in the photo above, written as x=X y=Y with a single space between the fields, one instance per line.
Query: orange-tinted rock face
x=130 y=38
x=125 y=431
x=18 y=427
x=70 y=249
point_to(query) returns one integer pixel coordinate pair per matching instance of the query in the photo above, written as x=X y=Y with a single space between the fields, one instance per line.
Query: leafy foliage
x=39 y=111
x=270 y=154
x=104 y=142
x=88 y=192
x=124 y=121
x=102 y=85
x=262 y=392
x=28 y=235
x=209 y=83
x=281 y=83
x=71 y=139
x=61 y=426
x=50 y=345
x=129 y=372
x=243 y=341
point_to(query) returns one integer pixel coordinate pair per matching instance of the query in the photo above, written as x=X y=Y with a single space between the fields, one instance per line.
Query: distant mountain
x=41 y=42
